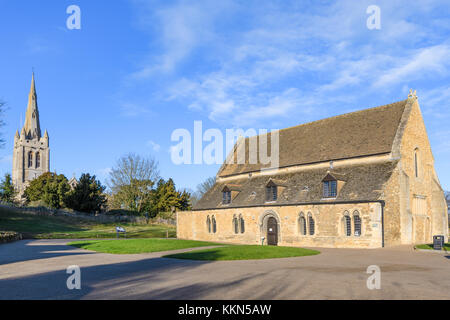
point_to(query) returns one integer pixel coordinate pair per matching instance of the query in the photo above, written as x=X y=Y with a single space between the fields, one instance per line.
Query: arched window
x=357 y=224
x=38 y=160
x=235 y=225
x=416 y=162
x=241 y=223
x=302 y=224
x=208 y=224
x=347 y=224
x=214 y=225
x=311 y=224
x=30 y=159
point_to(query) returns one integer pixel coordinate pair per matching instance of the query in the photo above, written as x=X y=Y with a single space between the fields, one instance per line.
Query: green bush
x=8 y=236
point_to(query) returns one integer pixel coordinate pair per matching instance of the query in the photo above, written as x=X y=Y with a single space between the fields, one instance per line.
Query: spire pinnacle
x=32 y=126
x=412 y=94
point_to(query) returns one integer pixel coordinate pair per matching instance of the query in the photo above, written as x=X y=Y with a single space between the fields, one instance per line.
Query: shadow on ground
x=28 y=250
x=127 y=280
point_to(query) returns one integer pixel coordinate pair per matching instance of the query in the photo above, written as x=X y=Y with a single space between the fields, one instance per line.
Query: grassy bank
x=244 y=252
x=134 y=246
x=56 y=227
x=430 y=246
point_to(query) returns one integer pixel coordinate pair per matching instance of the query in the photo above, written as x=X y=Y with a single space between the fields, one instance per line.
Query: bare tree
x=205 y=186
x=202 y=188
x=131 y=181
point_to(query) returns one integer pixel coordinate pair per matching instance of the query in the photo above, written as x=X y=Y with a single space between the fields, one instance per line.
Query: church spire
x=32 y=126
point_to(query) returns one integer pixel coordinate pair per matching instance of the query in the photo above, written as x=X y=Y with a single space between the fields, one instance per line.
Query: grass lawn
x=244 y=252
x=430 y=246
x=52 y=227
x=132 y=246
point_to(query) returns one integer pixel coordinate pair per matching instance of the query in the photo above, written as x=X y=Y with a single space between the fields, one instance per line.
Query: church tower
x=31 y=155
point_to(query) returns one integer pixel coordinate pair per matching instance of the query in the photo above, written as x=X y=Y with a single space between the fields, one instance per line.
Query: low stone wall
x=9 y=236
x=99 y=218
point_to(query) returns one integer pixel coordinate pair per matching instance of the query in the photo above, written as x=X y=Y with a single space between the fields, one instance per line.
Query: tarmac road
x=36 y=269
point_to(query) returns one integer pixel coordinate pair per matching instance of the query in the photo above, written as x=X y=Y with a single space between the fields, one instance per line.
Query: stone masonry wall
x=329 y=225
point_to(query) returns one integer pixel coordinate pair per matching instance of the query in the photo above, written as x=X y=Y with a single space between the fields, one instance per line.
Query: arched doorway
x=272 y=231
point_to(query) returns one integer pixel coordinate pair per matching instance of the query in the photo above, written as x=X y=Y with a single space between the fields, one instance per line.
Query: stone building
x=360 y=180
x=31 y=154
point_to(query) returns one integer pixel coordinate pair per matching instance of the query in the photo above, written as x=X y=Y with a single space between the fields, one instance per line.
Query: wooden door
x=272 y=232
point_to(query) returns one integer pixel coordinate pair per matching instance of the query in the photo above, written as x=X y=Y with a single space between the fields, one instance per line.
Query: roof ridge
x=344 y=114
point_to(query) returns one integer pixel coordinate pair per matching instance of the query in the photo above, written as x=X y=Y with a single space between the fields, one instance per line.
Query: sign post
x=121 y=230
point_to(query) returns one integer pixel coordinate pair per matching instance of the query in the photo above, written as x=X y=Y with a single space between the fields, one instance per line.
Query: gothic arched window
x=208 y=224
x=302 y=224
x=347 y=224
x=38 y=160
x=416 y=162
x=30 y=159
x=311 y=224
x=235 y=225
x=214 y=225
x=357 y=224
x=241 y=224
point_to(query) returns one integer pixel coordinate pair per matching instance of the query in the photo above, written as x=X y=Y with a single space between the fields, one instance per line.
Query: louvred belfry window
x=30 y=159
x=38 y=160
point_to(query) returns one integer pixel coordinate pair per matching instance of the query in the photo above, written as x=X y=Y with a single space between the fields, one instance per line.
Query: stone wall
x=421 y=199
x=329 y=225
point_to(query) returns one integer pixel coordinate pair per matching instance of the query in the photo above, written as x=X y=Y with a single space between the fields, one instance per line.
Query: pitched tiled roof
x=362 y=182
x=356 y=134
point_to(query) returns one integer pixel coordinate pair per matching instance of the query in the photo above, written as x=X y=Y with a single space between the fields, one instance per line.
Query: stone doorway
x=272 y=232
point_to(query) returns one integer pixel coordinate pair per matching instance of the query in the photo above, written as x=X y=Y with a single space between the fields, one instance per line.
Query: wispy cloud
x=156 y=147
x=131 y=109
x=428 y=61
x=251 y=63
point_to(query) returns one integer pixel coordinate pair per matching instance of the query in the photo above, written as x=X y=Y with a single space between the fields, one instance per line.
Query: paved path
x=37 y=270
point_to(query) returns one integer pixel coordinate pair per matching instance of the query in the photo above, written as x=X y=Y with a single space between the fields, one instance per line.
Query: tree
x=131 y=182
x=166 y=198
x=206 y=185
x=87 y=196
x=202 y=188
x=50 y=188
x=185 y=201
x=7 y=191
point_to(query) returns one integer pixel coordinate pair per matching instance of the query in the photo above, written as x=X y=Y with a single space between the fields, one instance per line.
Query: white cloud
x=130 y=109
x=288 y=60
x=425 y=62
x=156 y=147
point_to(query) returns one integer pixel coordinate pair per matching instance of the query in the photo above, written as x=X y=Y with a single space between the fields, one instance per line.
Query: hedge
x=8 y=236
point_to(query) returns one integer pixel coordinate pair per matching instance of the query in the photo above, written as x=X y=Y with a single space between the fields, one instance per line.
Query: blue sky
x=137 y=70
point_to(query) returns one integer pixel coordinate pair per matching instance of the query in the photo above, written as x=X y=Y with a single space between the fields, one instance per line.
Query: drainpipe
x=382 y=222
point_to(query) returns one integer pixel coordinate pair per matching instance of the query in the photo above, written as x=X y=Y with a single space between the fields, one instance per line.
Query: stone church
x=31 y=154
x=360 y=180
